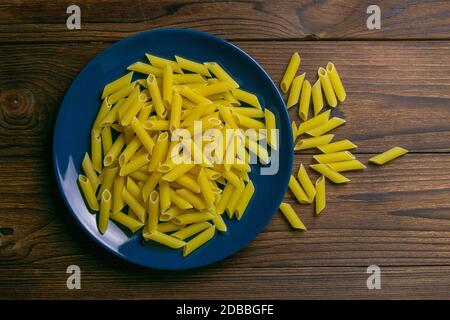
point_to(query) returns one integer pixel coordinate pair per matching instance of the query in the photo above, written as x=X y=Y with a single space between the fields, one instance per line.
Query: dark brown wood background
x=396 y=216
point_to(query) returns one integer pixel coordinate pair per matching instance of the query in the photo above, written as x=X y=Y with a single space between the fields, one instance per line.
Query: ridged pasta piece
x=340 y=145
x=306 y=183
x=388 y=155
x=334 y=157
x=327 y=87
x=329 y=173
x=294 y=92
x=336 y=82
x=290 y=72
x=291 y=216
x=305 y=99
x=314 y=122
x=326 y=127
x=309 y=143
x=320 y=195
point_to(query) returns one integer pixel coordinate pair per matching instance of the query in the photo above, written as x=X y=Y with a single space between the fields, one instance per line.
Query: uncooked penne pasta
x=340 y=145
x=244 y=200
x=228 y=191
x=249 y=112
x=161 y=63
x=189 y=78
x=153 y=212
x=294 y=92
x=346 y=165
x=159 y=151
x=219 y=223
x=117 y=203
x=220 y=73
x=198 y=241
x=297 y=190
x=271 y=129
x=329 y=173
x=106 y=138
x=156 y=96
x=234 y=199
x=247 y=97
x=314 y=122
x=326 y=127
x=305 y=99
x=192 y=66
x=88 y=192
x=327 y=87
x=388 y=155
x=316 y=93
x=213 y=89
x=117 y=84
x=320 y=194
x=167 y=85
x=294 y=130
x=191 y=230
x=193 y=217
x=205 y=188
x=290 y=72
x=309 y=143
x=164 y=239
x=134 y=204
x=142 y=135
x=334 y=157
x=132 y=224
x=114 y=151
x=192 y=198
x=291 y=216
x=105 y=207
x=336 y=82
x=306 y=183
x=96 y=151
x=145 y=68
x=109 y=174
x=89 y=171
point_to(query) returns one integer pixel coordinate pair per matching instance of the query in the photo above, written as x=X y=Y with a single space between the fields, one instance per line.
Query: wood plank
x=398 y=93
x=41 y=20
x=395 y=215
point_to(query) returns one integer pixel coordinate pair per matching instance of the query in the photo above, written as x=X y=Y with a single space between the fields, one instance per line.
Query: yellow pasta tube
x=306 y=183
x=189 y=183
x=189 y=78
x=247 y=97
x=195 y=217
x=143 y=136
x=341 y=145
x=327 y=87
x=153 y=211
x=191 y=230
x=156 y=125
x=305 y=99
x=145 y=112
x=336 y=82
x=329 y=173
x=125 y=105
x=175 y=112
x=291 y=70
x=156 y=96
x=225 y=198
x=297 y=190
x=227 y=117
x=165 y=198
x=109 y=175
x=388 y=155
x=205 y=188
x=213 y=89
x=88 y=192
x=159 y=151
x=114 y=151
x=133 y=110
x=134 y=204
x=150 y=184
x=326 y=127
x=121 y=93
x=296 y=88
x=166 y=227
x=162 y=63
x=219 y=223
x=133 y=188
x=233 y=201
x=111 y=116
x=248 y=122
x=119 y=185
x=164 y=239
x=177 y=172
x=314 y=122
x=334 y=157
x=193 y=96
x=179 y=201
x=145 y=68
x=198 y=241
x=192 y=66
x=231 y=99
x=346 y=165
x=271 y=127
x=105 y=207
x=192 y=198
x=249 y=112
x=316 y=93
x=106 y=138
x=309 y=143
x=167 y=85
x=135 y=164
x=294 y=130
x=221 y=74
x=320 y=195
x=139 y=176
x=132 y=224
x=117 y=84
x=89 y=171
x=170 y=213
x=105 y=108
x=129 y=150
x=244 y=200
x=291 y=216
x=96 y=151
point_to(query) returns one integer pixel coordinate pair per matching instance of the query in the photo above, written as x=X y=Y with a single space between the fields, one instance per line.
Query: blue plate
x=80 y=106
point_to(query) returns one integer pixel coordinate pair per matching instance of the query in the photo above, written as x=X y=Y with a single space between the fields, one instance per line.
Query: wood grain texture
x=396 y=216
x=42 y=20
x=398 y=93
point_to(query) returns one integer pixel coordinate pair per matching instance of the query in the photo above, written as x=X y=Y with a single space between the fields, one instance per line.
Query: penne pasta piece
x=88 y=192
x=142 y=135
x=346 y=165
x=121 y=93
x=189 y=78
x=316 y=93
x=248 y=122
x=231 y=99
x=89 y=171
x=167 y=85
x=188 y=183
x=114 y=151
x=326 y=127
x=195 y=217
x=213 y=89
x=105 y=108
x=340 y=145
x=170 y=213
x=297 y=190
x=388 y=155
x=132 y=224
x=227 y=117
x=320 y=194
x=135 y=164
x=179 y=201
x=166 y=227
x=96 y=151
x=334 y=157
x=177 y=172
x=234 y=199
x=205 y=188
x=117 y=203
x=106 y=138
x=165 y=198
x=145 y=112
x=129 y=151
x=193 y=96
x=134 y=204
x=249 y=112
x=198 y=241
x=294 y=130
x=192 y=66
x=296 y=88
x=125 y=105
x=105 y=207
x=153 y=212
x=329 y=173
x=314 y=122
x=225 y=197
x=244 y=200
x=220 y=73
x=247 y=97
x=309 y=143
x=290 y=72
x=109 y=175
x=159 y=151
x=192 y=198
x=145 y=68
x=139 y=176
x=156 y=96
x=161 y=63
x=191 y=230
x=133 y=189
x=305 y=99
x=132 y=112
x=327 y=87
x=164 y=239
x=271 y=129
x=117 y=84
x=175 y=112
x=151 y=184
x=291 y=216
x=219 y=223
x=306 y=183
x=336 y=82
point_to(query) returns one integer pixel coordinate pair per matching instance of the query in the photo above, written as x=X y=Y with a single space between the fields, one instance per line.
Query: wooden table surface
x=395 y=216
